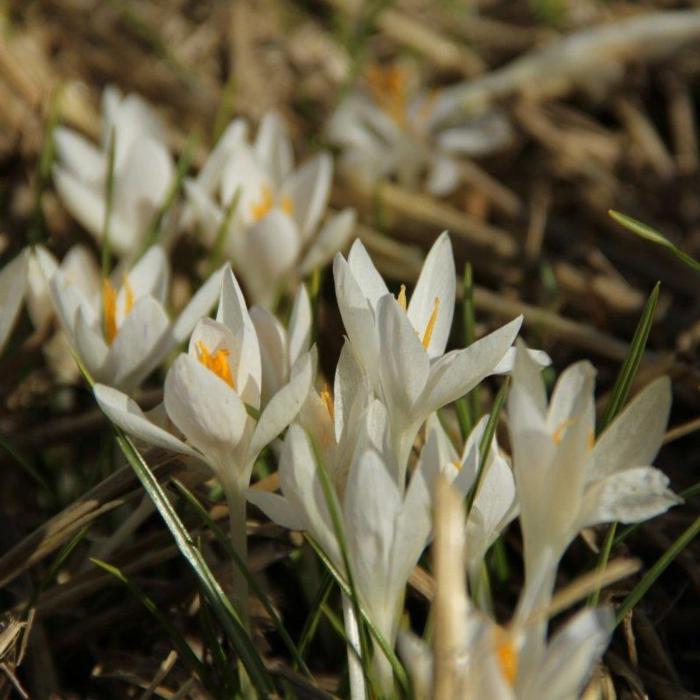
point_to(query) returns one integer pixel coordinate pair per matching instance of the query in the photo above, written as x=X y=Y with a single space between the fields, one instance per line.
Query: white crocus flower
x=401 y=345
x=143 y=171
x=566 y=479
x=118 y=327
x=385 y=527
x=390 y=130
x=489 y=660
x=212 y=394
x=494 y=505
x=13 y=285
x=275 y=230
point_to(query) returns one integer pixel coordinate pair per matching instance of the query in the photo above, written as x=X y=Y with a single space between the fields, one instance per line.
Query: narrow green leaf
x=109 y=201
x=468 y=406
x=486 y=440
x=176 y=637
x=659 y=567
x=651 y=234
x=633 y=359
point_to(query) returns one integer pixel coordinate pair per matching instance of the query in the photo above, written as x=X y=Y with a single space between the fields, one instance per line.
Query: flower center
x=262 y=207
x=109 y=307
x=216 y=362
x=507 y=656
x=389 y=89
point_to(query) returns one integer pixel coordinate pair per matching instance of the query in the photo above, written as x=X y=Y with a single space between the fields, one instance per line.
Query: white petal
x=571 y=657
x=199 y=306
x=539 y=357
x=300 y=323
x=13 y=283
x=309 y=187
x=437 y=281
x=79 y=268
x=82 y=158
x=234 y=313
x=403 y=361
x=90 y=346
x=150 y=276
x=357 y=316
x=137 y=350
x=629 y=496
x=443 y=177
x=365 y=273
x=282 y=408
x=84 y=202
x=635 y=436
x=273 y=351
x=245 y=172
x=209 y=177
x=203 y=209
x=527 y=399
x=206 y=410
x=42 y=265
x=350 y=388
x=273 y=146
x=332 y=238
x=574 y=382
x=456 y=373
x=268 y=252
x=125 y=413
x=277 y=508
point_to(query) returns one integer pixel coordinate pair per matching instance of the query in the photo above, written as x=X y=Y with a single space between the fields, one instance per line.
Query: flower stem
x=237 y=523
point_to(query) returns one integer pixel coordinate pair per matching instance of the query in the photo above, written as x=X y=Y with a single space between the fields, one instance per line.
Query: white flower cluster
x=375 y=437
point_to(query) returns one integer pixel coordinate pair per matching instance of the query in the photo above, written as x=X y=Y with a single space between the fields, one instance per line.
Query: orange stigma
x=216 y=362
x=109 y=310
x=558 y=434
x=430 y=327
x=262 y=207
x=507 y=657
x=129 y=304
x=389 y=89
x=328 y=401
x=401 y=298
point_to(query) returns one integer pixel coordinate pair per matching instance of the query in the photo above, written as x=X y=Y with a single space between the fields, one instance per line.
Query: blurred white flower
x=389 y=129
x=143 y=171
x=490 y=659
x=275 y=232
x=13 y=285
x=566 y=479
x=118 y=327
x=401 y=345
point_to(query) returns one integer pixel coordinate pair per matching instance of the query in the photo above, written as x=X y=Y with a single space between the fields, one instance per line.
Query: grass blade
x=468 y=406
x=217 y=250
x=311 y=624
x=109 y=201
x=624 y=380
x=651 y=234
x=659 y=567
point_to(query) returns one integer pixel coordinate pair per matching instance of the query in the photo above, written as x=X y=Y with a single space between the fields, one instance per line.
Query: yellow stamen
x=264 y=204
x=430 y=327
x=129 y=296
x=590 y=440
x=216 y=362
x=558 y=434
x=328 y=401
x=457 y=464
x=507 y=657
x=287 y=205
x=109 y=310
x=388 y=86
x=401 y=298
